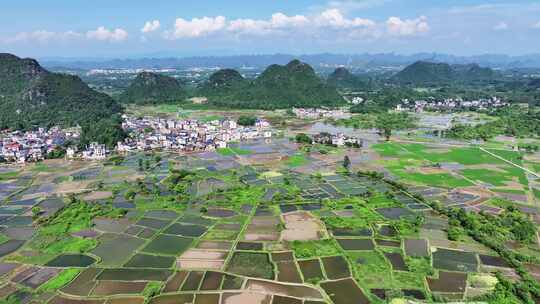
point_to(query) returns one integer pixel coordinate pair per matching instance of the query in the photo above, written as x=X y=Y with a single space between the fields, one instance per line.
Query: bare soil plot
x=356 y=244
x=168 y=245
x=301 y=226
x=111 y=225
x=397 y=261
x=245 y=297
x=450 y=282
x=173 y=299
x=110 y=288
x=416 y=247
x=83 y=283
x=336 y=267
x=288 y=272
x=193 y=281
x=212 y=280
x=311 y=269
x=150 y=261
x=455 y=260
x=275 y=288
x=202 y=259
x=98 y=195
x=114 y=249
x=174 y=283
x=207 y=298
x=345 y=291
x=220 y=245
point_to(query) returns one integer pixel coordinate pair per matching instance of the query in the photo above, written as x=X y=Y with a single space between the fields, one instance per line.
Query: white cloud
x=151 y=26
x=408 y=27
x=42 y=36
x=501 y=26
x=197 y=27
x=537 y=25
x=104 y=34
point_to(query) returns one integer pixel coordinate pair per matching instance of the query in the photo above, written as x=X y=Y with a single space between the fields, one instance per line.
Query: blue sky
x=109 y=28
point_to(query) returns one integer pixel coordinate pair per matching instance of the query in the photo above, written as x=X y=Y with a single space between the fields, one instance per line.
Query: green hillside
x=31 y=96
x=152 y=88
x=431 y=73
x=343 y=78
x=279 y=86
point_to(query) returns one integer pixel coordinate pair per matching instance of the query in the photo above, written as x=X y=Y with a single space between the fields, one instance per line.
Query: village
x=144 y=134
x=450 y=104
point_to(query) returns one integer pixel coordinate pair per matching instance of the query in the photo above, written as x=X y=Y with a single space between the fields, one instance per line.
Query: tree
x=346 y=162
x=247 y=120
x=387 y=122
x=303 y=138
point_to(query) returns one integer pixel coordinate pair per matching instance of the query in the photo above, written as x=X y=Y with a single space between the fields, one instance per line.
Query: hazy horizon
x=105 y=29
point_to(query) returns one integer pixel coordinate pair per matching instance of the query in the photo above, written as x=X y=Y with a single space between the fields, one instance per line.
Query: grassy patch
x=152 y=289
x=60 y=280
x=220 y=235
x=71 y=245
x=311 y=249
x=297 y=160
x=251 y=264
x=233 y=151
x=8 y=175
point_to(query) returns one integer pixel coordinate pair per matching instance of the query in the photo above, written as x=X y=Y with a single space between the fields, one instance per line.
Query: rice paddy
x=254 y=223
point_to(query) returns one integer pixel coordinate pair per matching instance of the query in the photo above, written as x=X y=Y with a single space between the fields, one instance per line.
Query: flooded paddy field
x=279 y=224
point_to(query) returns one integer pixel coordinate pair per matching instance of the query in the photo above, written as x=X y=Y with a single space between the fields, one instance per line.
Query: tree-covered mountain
x=31 y=96
x=152 y=88
x=432 y=73
x=279 y=86
x=343 y=78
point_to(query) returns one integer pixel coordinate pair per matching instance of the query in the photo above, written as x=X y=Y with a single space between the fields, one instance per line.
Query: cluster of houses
x=337 y=140
x=450 y=104
x=318 y=113
x=31 y=146
x=189 y=135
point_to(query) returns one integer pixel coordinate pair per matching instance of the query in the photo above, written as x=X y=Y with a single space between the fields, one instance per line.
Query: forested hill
x=431 y=73
x=279 y=86
x=152 y=88
x=343 y=78
x=31 y=96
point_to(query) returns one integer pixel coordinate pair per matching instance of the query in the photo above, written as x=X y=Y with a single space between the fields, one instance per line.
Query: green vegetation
x=251 y=264
x=311 y=249
x=233 y=151
x=247 y=120
x=424 y=73
x=295 y=84
x=42 y=98
x=510 y=122
x=388 y=122
x=62 y=279
x=152 y=88
x=53 y=237
x=297 y=160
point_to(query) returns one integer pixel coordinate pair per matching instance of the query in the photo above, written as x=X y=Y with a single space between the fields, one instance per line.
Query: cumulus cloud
x=104 y=34
x=537 y=25
x=151 y=26
x=197 y=27
x=408 y=27
x=334 y=18
x=501 y=26
x=278 y=23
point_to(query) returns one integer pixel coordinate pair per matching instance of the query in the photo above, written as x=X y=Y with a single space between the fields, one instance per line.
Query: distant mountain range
x=353 y=61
